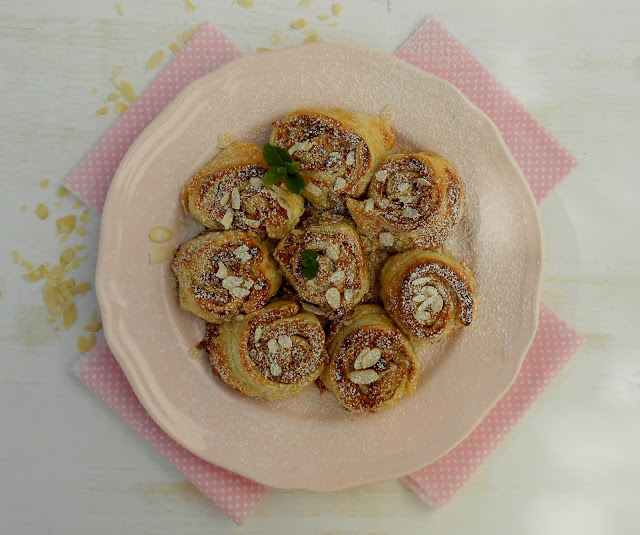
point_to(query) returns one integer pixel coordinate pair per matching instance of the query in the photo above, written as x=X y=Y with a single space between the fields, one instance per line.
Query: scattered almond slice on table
x=42 y=211
x=299 y=23
x=189 y=5
x=119 y=8
x=323 y=17
x=44 y=183
x=313 y=38
x=156 y=59
x=174 y=47
x=85 y=343
x=247 y=4
x=336 y=9
x=189 y=33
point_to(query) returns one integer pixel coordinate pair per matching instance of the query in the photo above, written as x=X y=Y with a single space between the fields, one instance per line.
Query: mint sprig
x=310 y=264
x=282 y=168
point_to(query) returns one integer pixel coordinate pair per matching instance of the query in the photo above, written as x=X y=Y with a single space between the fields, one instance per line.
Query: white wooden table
x=68 y=464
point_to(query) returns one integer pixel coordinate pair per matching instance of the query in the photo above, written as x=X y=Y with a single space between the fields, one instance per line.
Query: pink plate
x=310 y=442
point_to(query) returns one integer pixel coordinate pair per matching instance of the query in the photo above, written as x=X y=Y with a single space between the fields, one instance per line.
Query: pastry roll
x=414 y=200
x=338 y=150
x=228 y=193
x=223 y=274
x=427 y=294
x=371 y=363
x=342 y=277
x=273 y=353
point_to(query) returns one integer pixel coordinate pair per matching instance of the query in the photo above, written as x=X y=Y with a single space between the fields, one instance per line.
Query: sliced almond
x=81 y=230
x=67 y=256
x=235 y=199
x=247 y=4
x=119 y=8
x=333 y=297
x=386 y=239
x=197 y=353
x=121 y=107
x=369 y=205
x=16 y=257
x=62 y=192
x=42 y=211
x=336 y=9
x=85 y=343
x=382 y=175
x=158 y=255
x=189 y=5
x=69 y=316
x=299 y=23
x=80 y=288
x=160 y=234
x=232 y=282
x=313 y=38
x=337 y=277
x=387 y=113
x=305 y=3
x=27 y=265
x=351 y=158
x=323 y=17
x=239 y=293
x=174 y=47
x=156 y=59
x=102 y=111
x=225 y=199
x=275 y=369
x=258 y=334
x=262 y=49
x=227 y=219
x=222 y=272
x=273 y=346
x=66 y=224
x=189 y=33
x=225 y=139
x=363 y=377
x=285 y=341
x=339 y=183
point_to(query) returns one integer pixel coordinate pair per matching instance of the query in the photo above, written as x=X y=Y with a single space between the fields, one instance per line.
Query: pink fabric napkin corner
x=543 y=160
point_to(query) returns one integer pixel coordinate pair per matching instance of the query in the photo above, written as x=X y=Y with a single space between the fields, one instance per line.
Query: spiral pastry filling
x=371 y=363
x=432 y=296
x=222 y=274
x=287 y=349
x=337 y=151
x=229 y=194
x=413 y=200
x=342 y=278
x=273 y=353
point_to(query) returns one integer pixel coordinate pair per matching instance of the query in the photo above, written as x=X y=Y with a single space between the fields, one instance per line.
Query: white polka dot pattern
x=233 y=494
x=553 y=346
x=207 y=50
x=544 y=161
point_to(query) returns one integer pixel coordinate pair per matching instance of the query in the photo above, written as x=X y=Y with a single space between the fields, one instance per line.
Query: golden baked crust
x=427 y=294
x=228 y=193
x=371 y=363
x=338 y=151
x=414 y=200
x=223 y=274
x=273 y=353
x=343 y=277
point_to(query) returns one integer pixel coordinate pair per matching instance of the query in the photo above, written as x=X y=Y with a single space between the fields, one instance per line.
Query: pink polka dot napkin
x=544 y=161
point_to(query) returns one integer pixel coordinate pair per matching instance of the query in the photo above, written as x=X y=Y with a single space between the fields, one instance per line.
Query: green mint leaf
x=276 y=156
x=310 y=265
x=295 y=182
x=275 y=175
x=293 y=167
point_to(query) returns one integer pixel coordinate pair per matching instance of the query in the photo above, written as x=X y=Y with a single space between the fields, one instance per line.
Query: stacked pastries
x=282 y=278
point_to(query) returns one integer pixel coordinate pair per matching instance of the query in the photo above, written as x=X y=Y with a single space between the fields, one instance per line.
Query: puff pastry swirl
x=371 y=363
x=223 y=274
x=273 y=353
